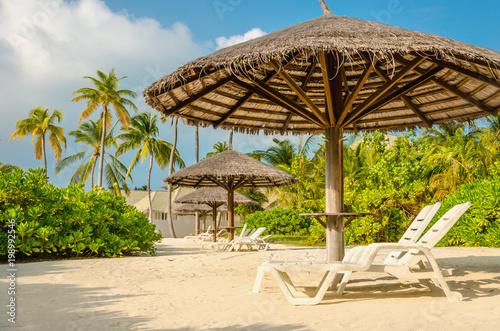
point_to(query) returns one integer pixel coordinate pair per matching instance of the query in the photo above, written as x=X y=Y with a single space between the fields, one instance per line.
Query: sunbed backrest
x=257 y=233
x=419 y=224
x=436 y=232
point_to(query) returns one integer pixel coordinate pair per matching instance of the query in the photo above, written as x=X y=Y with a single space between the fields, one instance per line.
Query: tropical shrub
x=282 y=221
x=480 y=225
x=53 y=221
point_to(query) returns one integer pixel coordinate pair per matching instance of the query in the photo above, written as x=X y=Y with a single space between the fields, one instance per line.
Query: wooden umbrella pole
x=230 y=213
x=334 y=194
x=214 y=222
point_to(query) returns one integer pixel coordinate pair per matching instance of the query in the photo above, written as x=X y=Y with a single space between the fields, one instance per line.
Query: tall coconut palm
x=170 y=171
x=142 y=135
x=89 y=134
x=457 y=154
x=105 y=94
x=39 y=123
x=218 y=147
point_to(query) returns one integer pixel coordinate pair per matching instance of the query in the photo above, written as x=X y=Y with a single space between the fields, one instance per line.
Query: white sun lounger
x=409 y=265
x=411 y=236
x=237 y=243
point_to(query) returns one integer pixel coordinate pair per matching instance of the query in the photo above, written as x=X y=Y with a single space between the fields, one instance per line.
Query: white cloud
x=236 y=39
x=47 y=46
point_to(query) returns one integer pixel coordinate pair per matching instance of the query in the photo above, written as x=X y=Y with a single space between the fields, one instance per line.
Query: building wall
x=184 y=225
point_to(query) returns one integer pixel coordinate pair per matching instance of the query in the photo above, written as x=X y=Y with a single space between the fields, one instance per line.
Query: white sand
x=184 y=288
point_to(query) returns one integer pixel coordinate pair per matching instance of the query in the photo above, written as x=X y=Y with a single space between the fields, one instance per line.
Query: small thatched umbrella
x=230 y=170
x=332 y=75
x=202 y=209
x=214 y=197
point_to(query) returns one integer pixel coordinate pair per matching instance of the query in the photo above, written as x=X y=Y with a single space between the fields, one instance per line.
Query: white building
x=183 y=224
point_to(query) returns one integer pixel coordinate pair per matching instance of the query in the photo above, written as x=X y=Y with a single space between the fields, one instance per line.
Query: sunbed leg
x=345 y=280
x=258 y=281
x=438 y=276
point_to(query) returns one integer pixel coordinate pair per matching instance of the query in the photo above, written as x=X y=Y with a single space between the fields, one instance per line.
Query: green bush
x=480 y=225
x=280 y=221
x=68 y=221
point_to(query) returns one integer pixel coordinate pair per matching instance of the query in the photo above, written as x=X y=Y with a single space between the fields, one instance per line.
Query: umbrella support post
x=230 y=213
x=214 y=223
x=334 y=194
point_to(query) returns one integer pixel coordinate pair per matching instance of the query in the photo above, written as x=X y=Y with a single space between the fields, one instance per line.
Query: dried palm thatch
x=190 y=209
x=231 y=170
x=389 y=78
x=214 y=196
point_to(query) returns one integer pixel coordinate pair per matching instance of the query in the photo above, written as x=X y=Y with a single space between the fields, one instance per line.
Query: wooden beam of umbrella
x=214 y=197
x=331 y=75
x=202 y=210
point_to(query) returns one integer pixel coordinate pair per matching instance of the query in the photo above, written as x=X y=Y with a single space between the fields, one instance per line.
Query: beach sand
x=184 y=288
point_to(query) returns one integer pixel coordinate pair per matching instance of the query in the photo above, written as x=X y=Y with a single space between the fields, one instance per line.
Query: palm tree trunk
x=43 y=153
x=197 y=145
x=101 y=156
x=92 y=175
x=231 y=138
x=149 y=190
x=170 y=170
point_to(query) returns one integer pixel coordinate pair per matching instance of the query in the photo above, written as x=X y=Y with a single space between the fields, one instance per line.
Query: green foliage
x=67 y=221
x=480 y=225
x=255 y=194
x=283 y=221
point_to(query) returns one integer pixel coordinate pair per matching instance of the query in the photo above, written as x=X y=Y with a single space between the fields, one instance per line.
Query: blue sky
x=47 y=46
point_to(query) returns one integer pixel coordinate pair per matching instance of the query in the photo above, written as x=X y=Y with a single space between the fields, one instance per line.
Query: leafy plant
x=51 y=221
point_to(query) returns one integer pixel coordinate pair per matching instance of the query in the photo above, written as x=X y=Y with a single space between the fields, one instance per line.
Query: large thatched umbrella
x=332 y=75
x=214 y=197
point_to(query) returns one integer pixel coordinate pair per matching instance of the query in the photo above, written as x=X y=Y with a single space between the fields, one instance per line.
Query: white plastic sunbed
x=410 y=265
x=411 y=236
x=237 y=243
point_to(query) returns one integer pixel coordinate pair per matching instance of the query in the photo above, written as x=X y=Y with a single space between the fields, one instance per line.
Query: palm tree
x=457 y=154
x=282 y=153
x=170 y=170
x=105 y=93
x=90 y=133
x=39 y=123
x=141 y=135
x=218 y=147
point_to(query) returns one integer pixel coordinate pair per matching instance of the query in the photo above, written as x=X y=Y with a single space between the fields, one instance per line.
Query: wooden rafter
x=384 y=89
x=271 y=94
x=196 y=96
x=250 y=94
x=240 y=103
x=417 y=111
x=465 y=71
x=359 y=85
x=287 y=123
x=305 y=81
x=406 y=99
x=345 y=83
x=332 y=81
x=471 y=100
x=298 y=90
x=467 y=97
x=396 y=94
